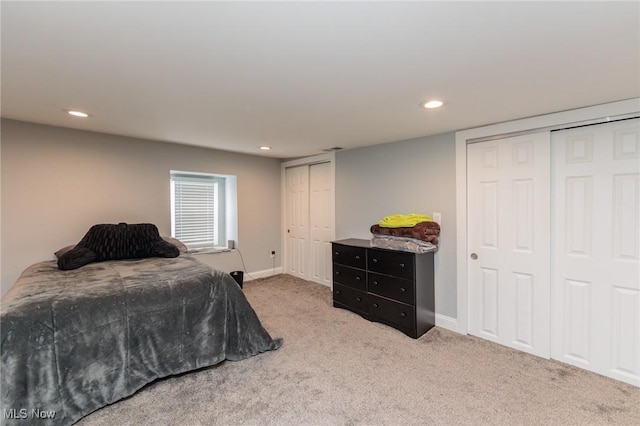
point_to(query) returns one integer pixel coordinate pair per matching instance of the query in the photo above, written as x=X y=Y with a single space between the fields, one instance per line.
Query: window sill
x=209 y=250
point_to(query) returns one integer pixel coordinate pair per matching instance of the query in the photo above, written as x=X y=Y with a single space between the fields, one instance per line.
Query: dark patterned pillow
x=116 y=242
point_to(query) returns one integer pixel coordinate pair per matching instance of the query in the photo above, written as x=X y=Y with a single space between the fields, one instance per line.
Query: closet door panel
x=596 y=269
x=509 y=241
x=297 y=216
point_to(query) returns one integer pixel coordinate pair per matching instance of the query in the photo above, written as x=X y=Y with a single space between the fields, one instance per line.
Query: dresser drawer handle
x=402 y=265
x=337 y=253
x=403 y=290
x=357 y=257
x=358 y=299
x=402 y=314
x=375 y=283
x=375 y=305
x=337 y=272
x=374 y=260
x=357 y=278
x=338 y=292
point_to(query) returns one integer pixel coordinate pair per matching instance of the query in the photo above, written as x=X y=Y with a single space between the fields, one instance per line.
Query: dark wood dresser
x=388 y=286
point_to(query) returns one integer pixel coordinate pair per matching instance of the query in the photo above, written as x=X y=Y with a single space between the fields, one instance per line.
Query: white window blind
x=197 y=207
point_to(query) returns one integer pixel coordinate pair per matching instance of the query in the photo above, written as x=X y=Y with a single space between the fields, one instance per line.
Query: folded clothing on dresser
x=401 y=243
x=403 y=220
x=424 y=231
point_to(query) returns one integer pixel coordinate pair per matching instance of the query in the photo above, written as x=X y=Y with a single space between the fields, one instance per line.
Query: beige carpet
x=336 y=368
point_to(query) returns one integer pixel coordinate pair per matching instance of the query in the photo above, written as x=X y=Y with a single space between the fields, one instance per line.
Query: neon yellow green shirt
x=404 y=220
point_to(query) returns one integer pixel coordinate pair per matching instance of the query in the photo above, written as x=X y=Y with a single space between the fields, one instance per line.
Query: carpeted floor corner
x=336 y=368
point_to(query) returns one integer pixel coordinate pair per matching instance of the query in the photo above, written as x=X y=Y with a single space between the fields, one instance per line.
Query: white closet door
x=509 y=241
x=309 y=221
x=597 y=248
x=320 y=223
x=297 y=220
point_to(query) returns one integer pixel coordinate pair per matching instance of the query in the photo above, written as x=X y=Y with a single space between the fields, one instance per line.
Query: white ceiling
x=306 y=76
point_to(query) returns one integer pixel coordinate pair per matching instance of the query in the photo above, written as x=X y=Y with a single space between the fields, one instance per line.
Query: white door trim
x=316 y=159
x=598 y=113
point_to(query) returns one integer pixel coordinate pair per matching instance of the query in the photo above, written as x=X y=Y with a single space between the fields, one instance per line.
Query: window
x=203 y=209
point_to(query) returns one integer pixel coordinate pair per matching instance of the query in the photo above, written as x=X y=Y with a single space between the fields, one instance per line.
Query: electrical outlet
x=273 y=253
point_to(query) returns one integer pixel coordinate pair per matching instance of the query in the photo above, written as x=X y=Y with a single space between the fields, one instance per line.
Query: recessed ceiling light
x=432 y=104
x=76 y=113
x=265 y=148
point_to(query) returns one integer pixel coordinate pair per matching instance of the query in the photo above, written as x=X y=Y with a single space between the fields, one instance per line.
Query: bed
x=76 y=340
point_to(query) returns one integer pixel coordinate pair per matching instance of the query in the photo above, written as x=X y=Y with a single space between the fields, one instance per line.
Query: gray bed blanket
x=75 y=341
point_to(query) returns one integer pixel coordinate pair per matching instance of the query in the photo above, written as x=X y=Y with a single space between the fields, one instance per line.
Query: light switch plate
x=437 y=218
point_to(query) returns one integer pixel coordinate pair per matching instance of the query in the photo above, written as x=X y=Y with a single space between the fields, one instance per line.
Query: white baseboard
x=447 y=322
x=249 y=276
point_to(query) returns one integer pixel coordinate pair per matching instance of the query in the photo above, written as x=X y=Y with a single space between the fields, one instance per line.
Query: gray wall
x=413 y=176
x=57 y=182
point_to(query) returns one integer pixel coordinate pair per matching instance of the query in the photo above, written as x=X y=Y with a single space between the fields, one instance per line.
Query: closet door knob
x=474 y=256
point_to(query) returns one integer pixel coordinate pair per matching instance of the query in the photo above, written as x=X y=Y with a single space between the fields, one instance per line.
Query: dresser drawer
x=391 y=287
x=356 y=278
x=350 y=297
x=397 y=313
x=350 y=256
x=391 y=263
